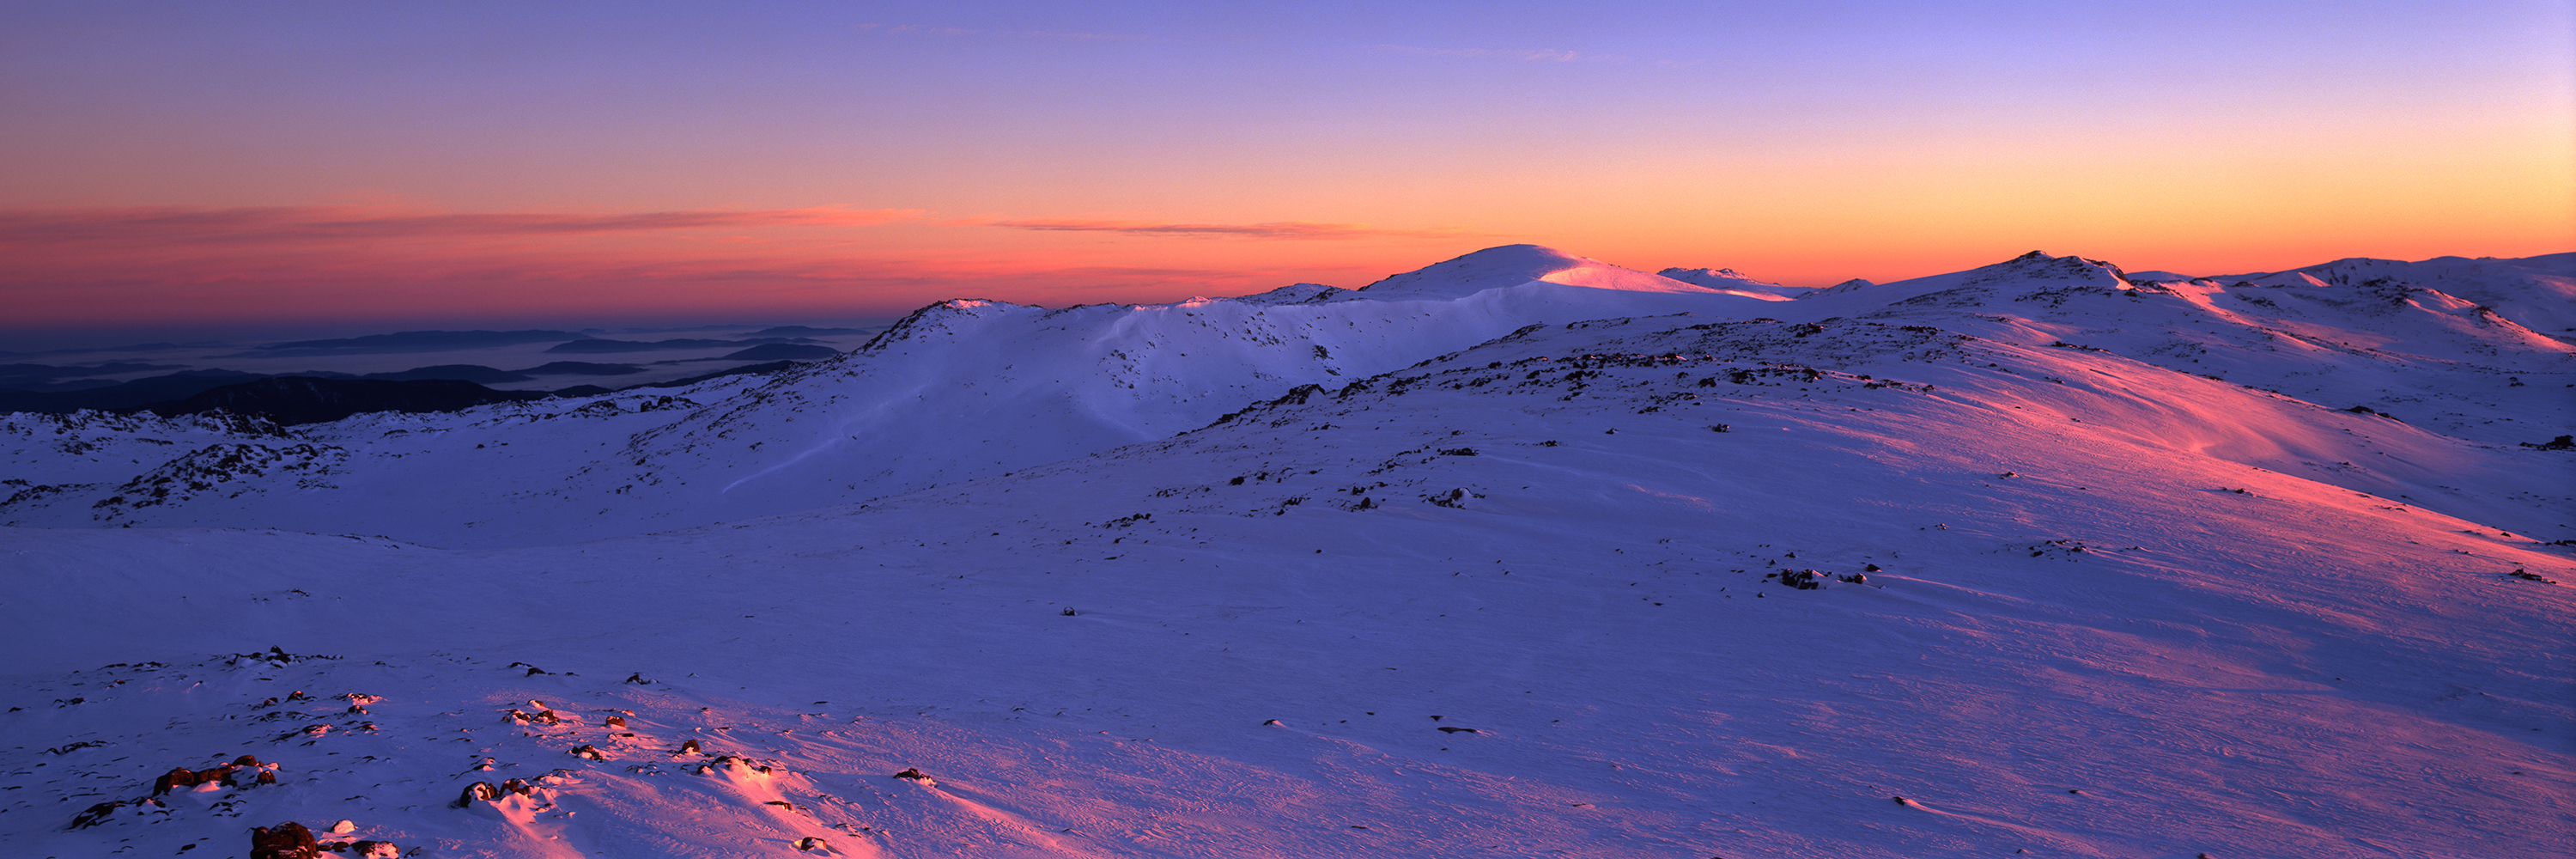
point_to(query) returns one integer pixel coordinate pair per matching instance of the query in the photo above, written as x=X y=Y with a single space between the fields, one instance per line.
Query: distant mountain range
x=311 y=397
x=408 y=341
x=603 y=346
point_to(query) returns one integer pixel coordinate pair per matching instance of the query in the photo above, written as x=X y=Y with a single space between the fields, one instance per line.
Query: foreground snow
x=2097 y=606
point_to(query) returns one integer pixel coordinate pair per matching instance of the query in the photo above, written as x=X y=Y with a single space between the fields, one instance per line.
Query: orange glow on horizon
x=162 y=264
x=260 y=167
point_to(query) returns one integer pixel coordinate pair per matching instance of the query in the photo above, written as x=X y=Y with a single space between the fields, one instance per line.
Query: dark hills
x=476 y=373
x=601 y=346
x=123 y=396
x=316 y=397
x=292 y=400
x=162 y=346
x=785 y=352
x=803 y=331
x=581 y=368
x=605 y=346
x=37 y=377
x=410 y=341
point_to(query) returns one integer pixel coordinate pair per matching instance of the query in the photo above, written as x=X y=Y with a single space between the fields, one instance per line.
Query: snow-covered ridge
x=1730 y=279
x=970 y=388
x=2537 y=292
x=2035 y=270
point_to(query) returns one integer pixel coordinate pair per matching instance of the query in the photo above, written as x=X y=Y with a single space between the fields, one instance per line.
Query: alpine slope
x=1519 y=554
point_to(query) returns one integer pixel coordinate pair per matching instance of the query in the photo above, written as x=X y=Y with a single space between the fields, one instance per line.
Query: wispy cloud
x=176 y=264
x=174 y=224
x=1265 y=230
x=272 y=287
x=169 y=226
x=919 y=30
x=1533 y=55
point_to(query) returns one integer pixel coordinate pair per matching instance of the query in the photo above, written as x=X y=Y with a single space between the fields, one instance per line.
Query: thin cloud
x=1535 y=55
x=173 y=224
x=265 y=271
x=350 y=286
x=1265 y=230
x=917 y=29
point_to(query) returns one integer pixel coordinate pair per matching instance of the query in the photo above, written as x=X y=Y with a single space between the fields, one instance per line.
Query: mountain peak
x=2039 y=264
x=1504 y=265
x=1292 y=294
x=1517 y=265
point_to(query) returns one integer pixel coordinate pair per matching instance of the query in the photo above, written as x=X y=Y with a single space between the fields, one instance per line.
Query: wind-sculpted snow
x=2538 y=293
x=1650 y=365
x=1641 y=586
x=2393 y=346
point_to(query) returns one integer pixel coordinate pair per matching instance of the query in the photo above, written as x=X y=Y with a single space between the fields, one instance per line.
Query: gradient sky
x=361 y=164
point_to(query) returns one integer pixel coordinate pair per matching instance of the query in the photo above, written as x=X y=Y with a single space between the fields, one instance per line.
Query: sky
x=339 y=166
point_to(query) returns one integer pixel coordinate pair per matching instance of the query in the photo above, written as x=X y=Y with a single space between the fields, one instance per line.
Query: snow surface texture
x=1506 y=557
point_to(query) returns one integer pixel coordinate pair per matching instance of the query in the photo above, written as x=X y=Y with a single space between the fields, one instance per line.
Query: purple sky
x=359 y=163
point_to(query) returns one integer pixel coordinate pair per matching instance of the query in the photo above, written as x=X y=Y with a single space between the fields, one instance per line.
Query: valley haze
x=1516 y=554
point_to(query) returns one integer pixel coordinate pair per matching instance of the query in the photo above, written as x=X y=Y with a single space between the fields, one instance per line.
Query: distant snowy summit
x=1523 y=265
x=1730 y=280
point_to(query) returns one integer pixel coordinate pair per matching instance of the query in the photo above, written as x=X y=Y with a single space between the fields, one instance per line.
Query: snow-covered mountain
x=1520 y=554
x=2390 y=344
x=2538 y=292
x=1730 y=279
x=960 y=389
x=965 y=389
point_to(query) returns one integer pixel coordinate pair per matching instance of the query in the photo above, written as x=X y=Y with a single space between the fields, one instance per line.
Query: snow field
x=2080 y=638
